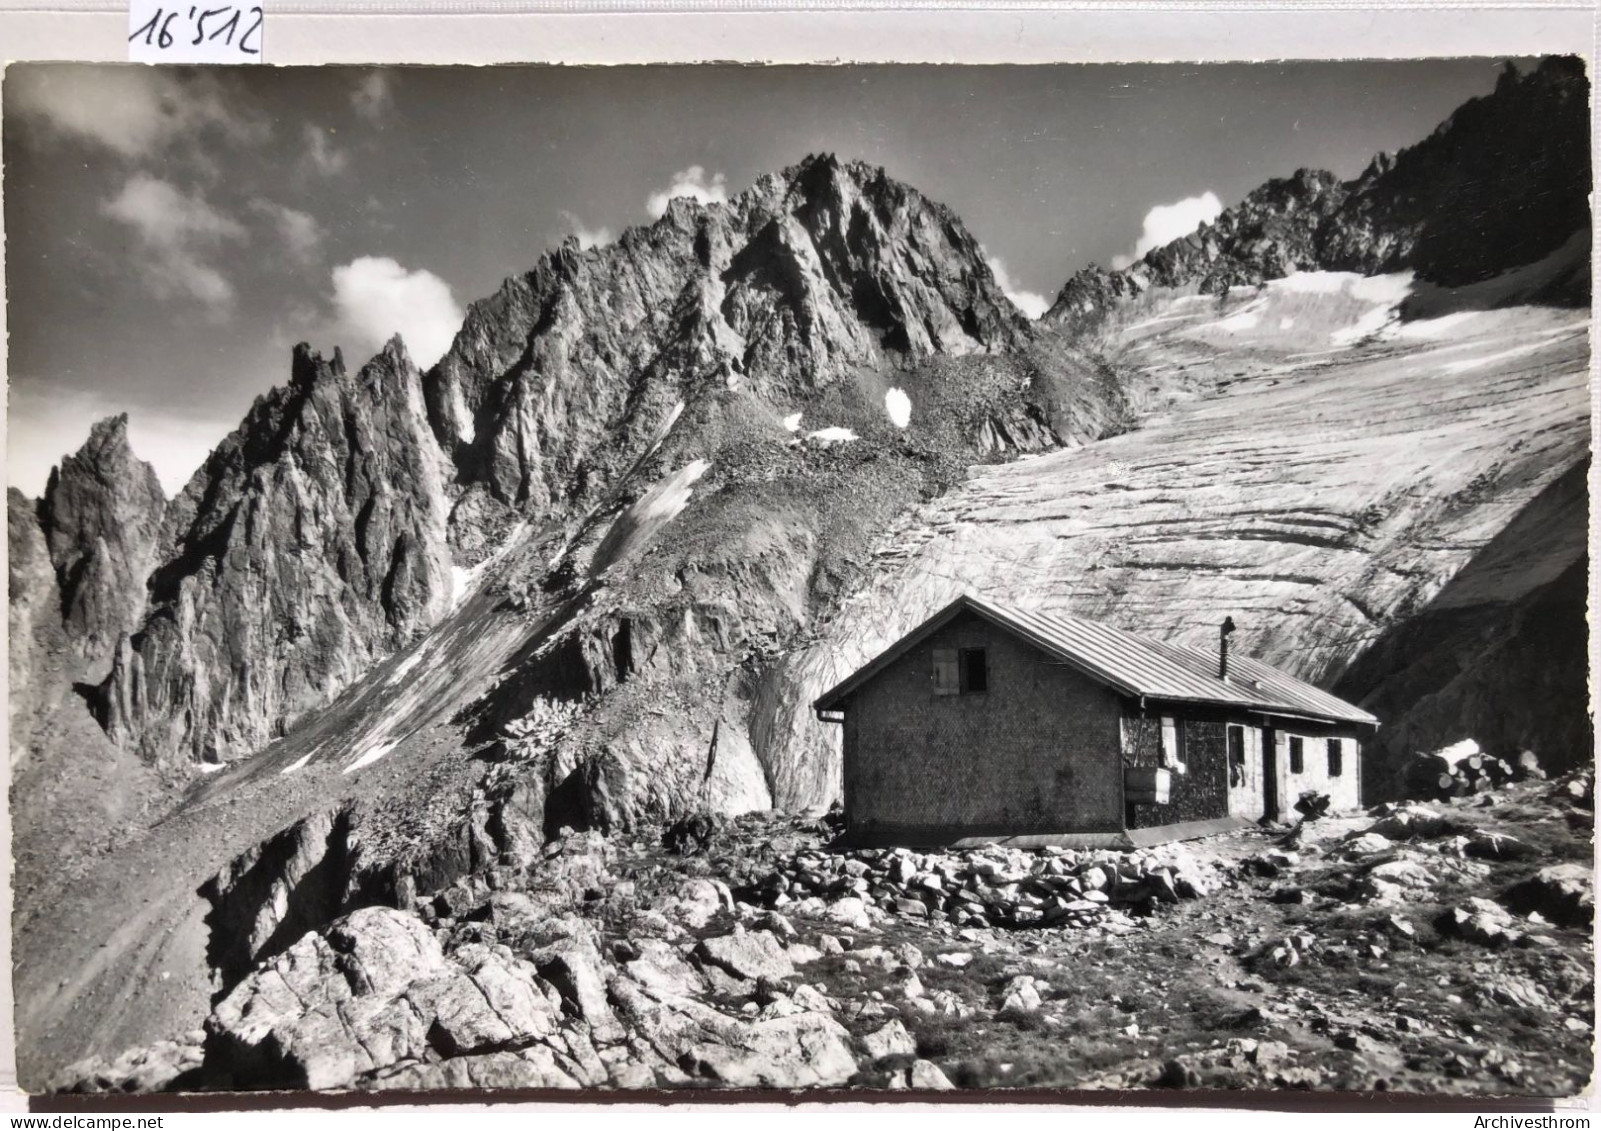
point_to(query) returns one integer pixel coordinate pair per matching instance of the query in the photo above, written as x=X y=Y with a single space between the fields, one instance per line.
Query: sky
x=171 y=234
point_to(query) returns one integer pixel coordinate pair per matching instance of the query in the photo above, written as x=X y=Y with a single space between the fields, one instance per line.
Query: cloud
x=321 y=152
x=299 y=231
x=1168 y=222
x=587 y=237
x=378 y=298
x=1031 y=303
x=690 y=182
x=133 y=111
x=46 y=424
x=178 y=231
x=373 y=96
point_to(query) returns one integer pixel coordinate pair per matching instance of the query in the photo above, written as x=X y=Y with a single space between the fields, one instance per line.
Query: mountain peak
x=100 y=516
x=1443 y=207
x=107 y=434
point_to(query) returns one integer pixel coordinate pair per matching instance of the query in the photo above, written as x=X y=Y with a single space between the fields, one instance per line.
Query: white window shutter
x=947 y=676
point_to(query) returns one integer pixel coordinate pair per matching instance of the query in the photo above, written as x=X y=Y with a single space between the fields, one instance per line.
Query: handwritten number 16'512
x=157 y=31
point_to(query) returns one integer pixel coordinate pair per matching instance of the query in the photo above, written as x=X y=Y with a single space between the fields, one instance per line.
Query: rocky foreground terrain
x=329 y=717
x=1411 y=948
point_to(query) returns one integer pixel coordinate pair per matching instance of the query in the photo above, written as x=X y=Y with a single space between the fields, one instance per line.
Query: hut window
x=1336 y=758
x=1236 y=755
x=1297 y=755
x=975 y=670
x=946 y=681
x=1172 y=748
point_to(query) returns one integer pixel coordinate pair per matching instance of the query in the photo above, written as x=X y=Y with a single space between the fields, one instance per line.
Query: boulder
x=806 y=1050
x=848 y=912
x=1562 y=893
x=1408 y=822
x=1405 y=872
x=1479 y=921
x=890 y=1040
x=696 y=902
x=907 y=985
x=151 y=1069
x=1367 y=843
x=492 y=1002
x=1488 y=845
x=1020 y=995
x=535 y=1067
x=663 y=971
x=575 y=968
x=749 y=955
x=332 y=1008
x=925 y=1076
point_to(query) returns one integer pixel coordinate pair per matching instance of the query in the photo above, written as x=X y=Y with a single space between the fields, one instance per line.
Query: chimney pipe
x=1223 y=648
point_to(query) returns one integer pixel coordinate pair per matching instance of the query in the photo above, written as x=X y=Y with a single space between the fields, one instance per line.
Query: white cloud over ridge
x=43 y=428
x=691 y=182
x=587 y=237
x=133 y=111
x=178 y=232
x=376 y=298
x=1168 y=222
x=1031 y=303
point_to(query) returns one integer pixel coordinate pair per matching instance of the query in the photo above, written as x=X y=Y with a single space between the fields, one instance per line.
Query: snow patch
x=298 y=763
x=1386 y=292
x=641 y=521
x=834 y=435
x=407 y=664
x=792 y=422
x=1146 y=322
x=1370 y=323
x=1244 y=320
x=663 y=502
x=1315 y=282
x=1387 y=289
x=1286 y=323
x=464 y=419
x=213 y=767
x=899 y=407
x=372 y=754
x=461 y=580
x=1433 y=329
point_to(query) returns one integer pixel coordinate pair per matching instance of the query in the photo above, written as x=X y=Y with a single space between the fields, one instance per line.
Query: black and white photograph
x=813 y=582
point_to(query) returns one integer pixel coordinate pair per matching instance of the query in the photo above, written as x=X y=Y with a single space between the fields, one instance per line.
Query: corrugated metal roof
x=1134 y=665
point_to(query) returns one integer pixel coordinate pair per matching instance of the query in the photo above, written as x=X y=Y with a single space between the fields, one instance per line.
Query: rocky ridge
x=101 y=517
x=385 y=479
x=311 y=543
x=1456 y=208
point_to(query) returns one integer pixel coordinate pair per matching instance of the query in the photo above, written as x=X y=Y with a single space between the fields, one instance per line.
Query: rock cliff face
x=310 y=544
x=34 y=615
x=319 y=537
x=100 y=516
x=555 y=382
x=1504 y=181
x=78 y=561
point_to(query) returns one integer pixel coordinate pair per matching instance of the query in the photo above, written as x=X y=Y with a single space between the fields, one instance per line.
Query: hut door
x=1270 y=773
